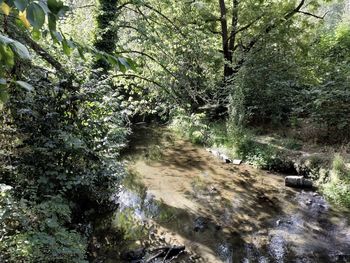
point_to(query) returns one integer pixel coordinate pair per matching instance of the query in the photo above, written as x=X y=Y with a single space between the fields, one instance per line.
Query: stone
x=225 y=158
x=309 y=202
x=236 y=162
x=297 y=181
x=200 y=224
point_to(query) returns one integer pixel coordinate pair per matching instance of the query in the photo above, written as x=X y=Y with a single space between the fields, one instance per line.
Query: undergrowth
x=337 y=188
x=236 y=142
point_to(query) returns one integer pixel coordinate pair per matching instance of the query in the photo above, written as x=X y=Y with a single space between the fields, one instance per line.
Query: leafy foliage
x=42 y=233
x=60 y=140
x=67 y=143
x=65 y=110
x=337 y=188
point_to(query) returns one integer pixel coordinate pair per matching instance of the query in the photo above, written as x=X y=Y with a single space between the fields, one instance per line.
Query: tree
x=251 y=21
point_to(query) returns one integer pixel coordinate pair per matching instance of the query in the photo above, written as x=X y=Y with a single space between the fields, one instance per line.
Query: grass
x=288 y=143
x=236 y=142
x=337 y=189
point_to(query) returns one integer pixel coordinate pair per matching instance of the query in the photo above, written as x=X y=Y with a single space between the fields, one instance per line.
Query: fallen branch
x=167 y=254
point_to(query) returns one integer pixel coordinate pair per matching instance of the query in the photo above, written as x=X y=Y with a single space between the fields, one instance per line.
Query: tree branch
x=166 y=18
x=24 y=38
x=313 y=15
x=150 y=57
x=268 y=29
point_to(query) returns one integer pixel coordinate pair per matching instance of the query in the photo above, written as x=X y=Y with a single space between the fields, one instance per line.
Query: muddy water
x=222 y=212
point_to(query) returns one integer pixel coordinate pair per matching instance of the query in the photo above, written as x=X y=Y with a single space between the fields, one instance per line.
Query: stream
x=178 y=193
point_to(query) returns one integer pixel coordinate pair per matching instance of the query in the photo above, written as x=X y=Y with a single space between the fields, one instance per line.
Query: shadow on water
x=220 y=212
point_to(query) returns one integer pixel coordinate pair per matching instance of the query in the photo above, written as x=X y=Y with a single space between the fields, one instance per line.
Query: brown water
x=222 y=212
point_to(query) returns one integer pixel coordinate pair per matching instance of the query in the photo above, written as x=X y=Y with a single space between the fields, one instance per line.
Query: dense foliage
x=74 y=73
x=60 y=140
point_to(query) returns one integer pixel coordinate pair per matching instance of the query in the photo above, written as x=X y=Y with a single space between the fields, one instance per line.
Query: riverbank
x=328 y=167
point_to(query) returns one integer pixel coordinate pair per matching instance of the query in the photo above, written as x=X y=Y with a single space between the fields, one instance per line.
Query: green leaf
x=81 y=52
x=44 y=7
x=56 y=36
x=20 y=50
x=57 y=7
x=7 y=55
x=66 y=48
x=36 y=15
x=36 y=34
x=71 y=44
x=123 y=62
x=3 y=94
x=54 y=6
x=52 y=22
x=52 y=222
x=21 y=4
x=25 y=85
x=121 y=67
x=132 y=64
x=63 y=11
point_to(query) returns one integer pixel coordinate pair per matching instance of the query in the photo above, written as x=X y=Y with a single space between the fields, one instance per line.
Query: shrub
x=35 y=232
x=337 y=189
x=61 y=144
x=193 y=127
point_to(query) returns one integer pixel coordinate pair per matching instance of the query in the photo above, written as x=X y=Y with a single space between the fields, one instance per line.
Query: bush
x=193 y=127
x=60 y=148
x=35 y=232
x=337 y=189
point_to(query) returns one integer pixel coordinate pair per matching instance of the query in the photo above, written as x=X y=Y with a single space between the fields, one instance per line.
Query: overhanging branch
x=313 y=15
x=150 y=57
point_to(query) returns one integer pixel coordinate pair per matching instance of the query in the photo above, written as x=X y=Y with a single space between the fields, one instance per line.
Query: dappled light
x=199 y=201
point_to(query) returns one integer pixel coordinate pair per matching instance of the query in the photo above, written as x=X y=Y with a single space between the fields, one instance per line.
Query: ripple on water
x=141 y=206
x=277 y=248
x=225 y=252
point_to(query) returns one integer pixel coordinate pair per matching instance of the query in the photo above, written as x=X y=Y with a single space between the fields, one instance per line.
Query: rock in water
x=297 y=181
x=237 y=162
x=200 y=224
x=225 y=158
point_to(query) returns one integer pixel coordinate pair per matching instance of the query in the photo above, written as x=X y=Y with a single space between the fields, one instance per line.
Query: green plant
x=337 y=189
x=194 y=126
x=34 y=232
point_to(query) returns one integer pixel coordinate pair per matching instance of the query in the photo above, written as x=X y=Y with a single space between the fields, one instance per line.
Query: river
x=178 y=193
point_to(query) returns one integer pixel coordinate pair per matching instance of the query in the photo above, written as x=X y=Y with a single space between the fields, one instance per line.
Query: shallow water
x=222 y=212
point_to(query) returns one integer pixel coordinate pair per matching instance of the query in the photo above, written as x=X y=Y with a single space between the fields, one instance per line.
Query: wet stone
x=200 y=224
x=297 y=181
x=308 y=202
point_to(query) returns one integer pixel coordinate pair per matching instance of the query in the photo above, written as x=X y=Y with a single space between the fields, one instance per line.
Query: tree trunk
x=106 y=37
x=225 y=40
